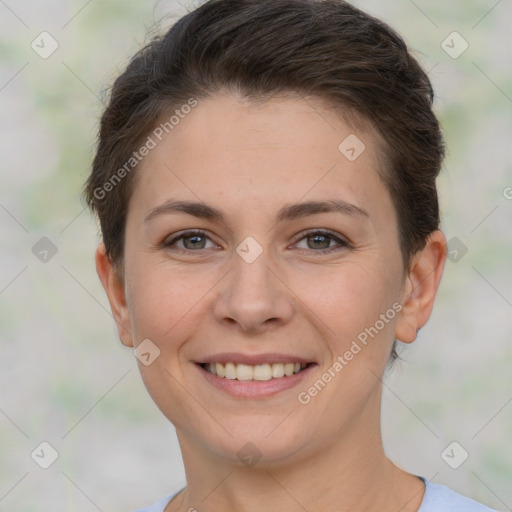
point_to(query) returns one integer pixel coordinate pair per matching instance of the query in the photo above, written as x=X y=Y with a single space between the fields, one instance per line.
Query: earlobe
x=114 y=288
x=420 y=287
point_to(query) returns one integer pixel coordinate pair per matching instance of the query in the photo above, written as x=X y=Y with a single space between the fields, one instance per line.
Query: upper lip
x=253 y=359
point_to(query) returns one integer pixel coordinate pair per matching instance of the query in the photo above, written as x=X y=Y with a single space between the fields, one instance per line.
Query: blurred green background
x=64 y=376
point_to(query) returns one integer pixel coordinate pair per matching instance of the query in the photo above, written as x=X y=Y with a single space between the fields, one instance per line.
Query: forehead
x=244 y=155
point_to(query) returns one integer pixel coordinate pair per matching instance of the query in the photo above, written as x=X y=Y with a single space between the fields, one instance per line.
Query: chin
x=261 y=442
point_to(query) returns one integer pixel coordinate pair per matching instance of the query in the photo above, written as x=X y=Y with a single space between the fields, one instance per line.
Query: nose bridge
x=252 y=293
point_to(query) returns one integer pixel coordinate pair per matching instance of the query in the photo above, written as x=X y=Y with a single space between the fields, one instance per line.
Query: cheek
x=165 y=302
x=350 y=298
x=357 y=305
x=166 y=307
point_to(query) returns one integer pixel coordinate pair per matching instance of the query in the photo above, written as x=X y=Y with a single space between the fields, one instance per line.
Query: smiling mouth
x=261 y=372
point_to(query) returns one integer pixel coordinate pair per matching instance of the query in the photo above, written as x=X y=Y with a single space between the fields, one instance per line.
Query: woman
x=265 y=184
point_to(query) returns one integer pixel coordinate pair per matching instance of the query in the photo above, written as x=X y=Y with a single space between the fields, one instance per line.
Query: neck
x=351 y=473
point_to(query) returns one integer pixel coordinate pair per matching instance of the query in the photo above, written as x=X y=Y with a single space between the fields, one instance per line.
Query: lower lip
x=255 y=388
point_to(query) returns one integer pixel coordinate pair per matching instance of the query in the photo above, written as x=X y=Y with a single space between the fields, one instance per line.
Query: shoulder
x=159 y=506
x=439 y=498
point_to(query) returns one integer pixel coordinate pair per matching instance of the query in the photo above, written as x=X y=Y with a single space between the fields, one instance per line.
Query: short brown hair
x=260 y=48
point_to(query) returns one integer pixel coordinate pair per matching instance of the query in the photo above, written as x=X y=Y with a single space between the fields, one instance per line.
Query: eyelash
x=342 y=243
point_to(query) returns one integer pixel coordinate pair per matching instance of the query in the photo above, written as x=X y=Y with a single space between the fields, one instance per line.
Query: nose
x=254 y=296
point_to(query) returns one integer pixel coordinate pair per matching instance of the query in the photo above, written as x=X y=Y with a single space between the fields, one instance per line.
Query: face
x=264 y=279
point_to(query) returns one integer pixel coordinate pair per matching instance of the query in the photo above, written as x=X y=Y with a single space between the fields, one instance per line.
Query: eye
x=192 y=240
x=319 y=241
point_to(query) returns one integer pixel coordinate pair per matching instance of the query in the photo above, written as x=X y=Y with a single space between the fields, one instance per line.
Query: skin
x=249 y=161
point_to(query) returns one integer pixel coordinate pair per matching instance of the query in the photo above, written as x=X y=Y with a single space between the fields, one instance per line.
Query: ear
x=114 y=288
x=420 y=287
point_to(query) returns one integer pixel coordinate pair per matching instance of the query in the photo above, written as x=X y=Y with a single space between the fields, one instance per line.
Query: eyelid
x=340 y=240
x=168 y=241
x=326 y=232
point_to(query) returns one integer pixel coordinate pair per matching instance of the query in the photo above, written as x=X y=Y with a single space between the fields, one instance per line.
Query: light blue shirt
x=437 y=498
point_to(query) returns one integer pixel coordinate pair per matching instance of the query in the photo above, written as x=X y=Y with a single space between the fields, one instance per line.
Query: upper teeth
x=258 y=372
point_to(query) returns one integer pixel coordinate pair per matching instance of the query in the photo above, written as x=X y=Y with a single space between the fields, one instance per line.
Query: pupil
x=196 y=237
x=316 y=237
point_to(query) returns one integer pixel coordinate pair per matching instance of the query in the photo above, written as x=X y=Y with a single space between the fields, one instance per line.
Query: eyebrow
x=287 y=212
